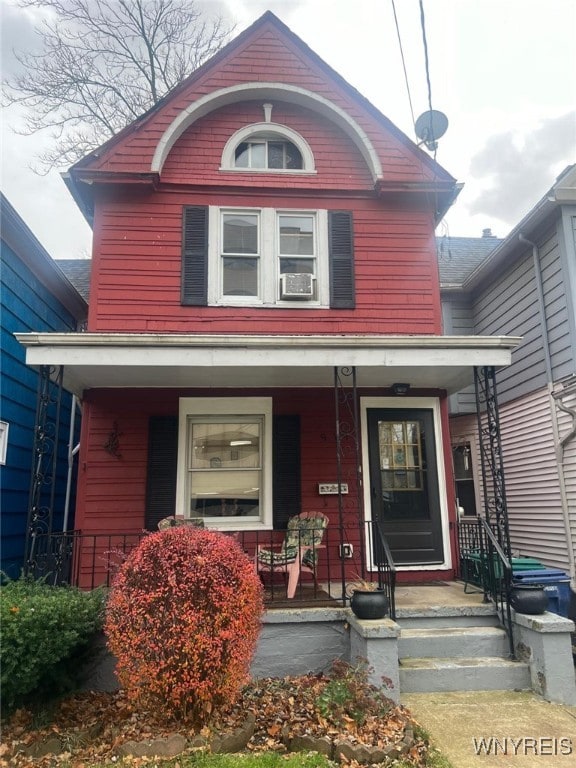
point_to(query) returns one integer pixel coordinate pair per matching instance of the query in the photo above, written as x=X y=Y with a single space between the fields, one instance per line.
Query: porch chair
x=299 y=551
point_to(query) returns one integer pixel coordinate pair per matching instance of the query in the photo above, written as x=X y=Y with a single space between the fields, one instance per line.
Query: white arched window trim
x=250 y=91
x=267 y=131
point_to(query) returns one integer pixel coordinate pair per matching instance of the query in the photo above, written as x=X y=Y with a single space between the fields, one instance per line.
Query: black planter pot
x=369 y=604
x=528 y=598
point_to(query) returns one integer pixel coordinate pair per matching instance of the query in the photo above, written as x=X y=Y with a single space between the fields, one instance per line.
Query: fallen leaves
x=91 y=726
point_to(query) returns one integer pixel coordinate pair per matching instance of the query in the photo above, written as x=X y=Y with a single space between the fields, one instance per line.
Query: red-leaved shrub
x=183 y=619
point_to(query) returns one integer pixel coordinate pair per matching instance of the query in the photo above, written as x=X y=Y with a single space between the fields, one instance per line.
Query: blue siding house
x=35 y=296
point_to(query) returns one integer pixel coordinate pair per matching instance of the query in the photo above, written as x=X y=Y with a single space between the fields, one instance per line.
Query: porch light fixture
x=400 y=389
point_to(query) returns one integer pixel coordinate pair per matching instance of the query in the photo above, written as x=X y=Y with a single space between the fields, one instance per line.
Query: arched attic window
x=267 y=147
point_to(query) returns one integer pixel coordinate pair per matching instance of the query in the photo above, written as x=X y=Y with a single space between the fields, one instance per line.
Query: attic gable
x=266 y=61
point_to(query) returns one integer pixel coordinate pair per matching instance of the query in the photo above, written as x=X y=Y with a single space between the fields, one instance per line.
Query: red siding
x=198 y=152
x=111 y=490
x=266 y=58
x=137 y=260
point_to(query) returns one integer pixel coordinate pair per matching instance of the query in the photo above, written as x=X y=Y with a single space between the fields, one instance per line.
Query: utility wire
x=426 y=62
x=403 y=62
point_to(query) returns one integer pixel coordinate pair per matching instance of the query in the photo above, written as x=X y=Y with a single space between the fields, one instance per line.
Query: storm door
x=404 y=483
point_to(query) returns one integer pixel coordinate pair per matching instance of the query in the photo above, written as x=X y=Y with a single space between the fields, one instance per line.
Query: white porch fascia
x=125 y=360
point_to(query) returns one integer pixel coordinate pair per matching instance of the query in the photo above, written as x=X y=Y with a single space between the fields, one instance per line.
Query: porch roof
x=127 y=360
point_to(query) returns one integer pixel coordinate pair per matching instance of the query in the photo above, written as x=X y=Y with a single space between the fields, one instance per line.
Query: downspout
x=558 y=443
x=562 y=443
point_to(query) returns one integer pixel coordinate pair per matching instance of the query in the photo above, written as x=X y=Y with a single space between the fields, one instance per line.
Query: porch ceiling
x=97 y=360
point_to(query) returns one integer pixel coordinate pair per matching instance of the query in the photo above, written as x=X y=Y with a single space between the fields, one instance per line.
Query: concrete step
x=448 y=616
x=426 y=675
x=446 y=642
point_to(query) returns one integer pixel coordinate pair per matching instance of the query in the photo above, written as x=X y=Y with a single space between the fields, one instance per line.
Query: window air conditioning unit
x=297 y=285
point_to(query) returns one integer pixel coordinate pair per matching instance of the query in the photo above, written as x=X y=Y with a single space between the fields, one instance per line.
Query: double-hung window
x=256 y=247
x=267 y=257
x=240 y=253
x=297 y=243
x=225 y=460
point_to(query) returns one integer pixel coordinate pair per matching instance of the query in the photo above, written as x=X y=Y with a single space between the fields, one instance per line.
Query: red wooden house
x=265 y=332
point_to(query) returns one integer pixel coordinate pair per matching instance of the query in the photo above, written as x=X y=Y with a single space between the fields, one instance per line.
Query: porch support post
x=44 y=459
x=347 y=431
x=495 y=508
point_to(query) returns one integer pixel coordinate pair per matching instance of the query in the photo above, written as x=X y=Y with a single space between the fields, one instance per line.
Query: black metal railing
x=79 y=559
x=89 y=560
x=484 y=564
x=386 y=569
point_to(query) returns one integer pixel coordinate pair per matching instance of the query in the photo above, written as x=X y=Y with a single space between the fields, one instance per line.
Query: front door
x=404 y=483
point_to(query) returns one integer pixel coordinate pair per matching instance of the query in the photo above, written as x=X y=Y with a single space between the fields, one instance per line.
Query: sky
x=502 y=71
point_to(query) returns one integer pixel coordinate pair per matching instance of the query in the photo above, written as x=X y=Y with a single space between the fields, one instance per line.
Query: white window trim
x=269 y=259
x=227 y=406
x=267 y=131
x=4 y=427
x=430 y=403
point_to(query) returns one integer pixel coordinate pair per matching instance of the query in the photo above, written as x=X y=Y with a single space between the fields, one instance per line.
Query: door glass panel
x=400 y=447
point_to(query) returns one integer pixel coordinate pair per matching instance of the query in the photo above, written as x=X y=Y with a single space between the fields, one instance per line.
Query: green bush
x=44 y=631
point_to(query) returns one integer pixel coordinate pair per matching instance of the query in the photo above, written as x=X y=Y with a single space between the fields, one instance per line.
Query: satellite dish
x=430 y=127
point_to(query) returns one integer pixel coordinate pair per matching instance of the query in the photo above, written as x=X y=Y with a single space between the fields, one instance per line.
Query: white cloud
x=515 y=169
x=504 y=72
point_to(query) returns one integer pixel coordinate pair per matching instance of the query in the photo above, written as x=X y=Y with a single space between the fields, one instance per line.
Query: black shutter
x=286 y=472
x=195 y=256
x=162 y=465
x=341 y=254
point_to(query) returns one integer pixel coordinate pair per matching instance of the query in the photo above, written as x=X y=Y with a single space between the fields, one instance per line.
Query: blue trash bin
x=555 y=583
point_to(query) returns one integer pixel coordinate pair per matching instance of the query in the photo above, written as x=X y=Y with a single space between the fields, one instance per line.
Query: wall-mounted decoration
x=112 y=445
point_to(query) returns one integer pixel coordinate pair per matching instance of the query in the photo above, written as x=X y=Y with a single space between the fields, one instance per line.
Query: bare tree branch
x=104 y=63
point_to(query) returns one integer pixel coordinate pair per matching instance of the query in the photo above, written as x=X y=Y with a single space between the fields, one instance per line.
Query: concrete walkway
x=500 y=729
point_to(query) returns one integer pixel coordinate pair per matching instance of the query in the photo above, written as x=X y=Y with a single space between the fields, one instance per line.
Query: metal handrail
x=386 y=569
x=497 y=577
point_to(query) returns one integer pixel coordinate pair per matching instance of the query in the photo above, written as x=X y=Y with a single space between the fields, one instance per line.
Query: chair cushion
x=302 y=532
x=285 y=556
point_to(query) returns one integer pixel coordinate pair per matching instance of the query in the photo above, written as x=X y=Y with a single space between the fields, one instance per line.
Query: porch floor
x=409 y=599
x=450 y=594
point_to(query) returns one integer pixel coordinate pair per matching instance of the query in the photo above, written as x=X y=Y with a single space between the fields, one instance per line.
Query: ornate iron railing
x=90 y=560
x=495 y=507
x=484 y=564
x=79 y=559
x=44 y=457
x=348 y=463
